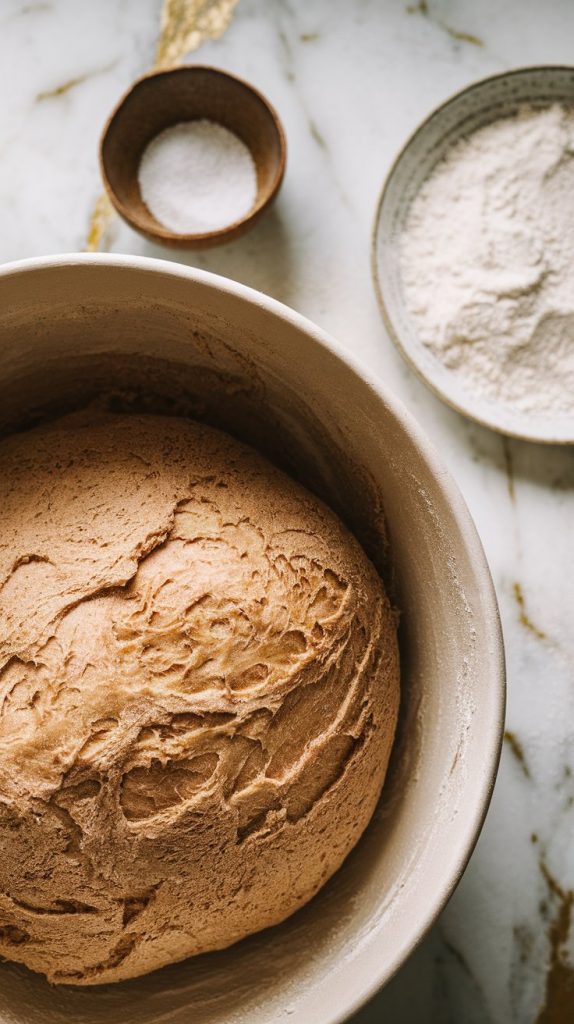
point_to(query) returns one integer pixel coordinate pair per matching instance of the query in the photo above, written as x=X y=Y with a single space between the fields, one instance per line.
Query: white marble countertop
x=351 y=78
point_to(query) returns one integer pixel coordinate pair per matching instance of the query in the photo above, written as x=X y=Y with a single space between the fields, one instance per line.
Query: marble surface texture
x=351 y=78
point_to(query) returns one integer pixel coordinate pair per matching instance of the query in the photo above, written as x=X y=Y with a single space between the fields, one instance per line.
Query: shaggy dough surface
x=198 y=693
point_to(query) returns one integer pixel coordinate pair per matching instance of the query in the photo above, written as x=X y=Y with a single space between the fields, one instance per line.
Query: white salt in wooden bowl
x=470 y=109
x=162 y=99
x=71 y=326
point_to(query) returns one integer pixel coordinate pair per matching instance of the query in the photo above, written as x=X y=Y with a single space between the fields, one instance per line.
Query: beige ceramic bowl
x=71 y=325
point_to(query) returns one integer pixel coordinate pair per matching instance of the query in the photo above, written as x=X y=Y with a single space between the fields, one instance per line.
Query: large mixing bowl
x=186 y=341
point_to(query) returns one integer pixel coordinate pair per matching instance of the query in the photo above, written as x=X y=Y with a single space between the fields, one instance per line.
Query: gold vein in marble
x=102 y=217
x=316 y=134
x=59 y=90
x=33 y=8
x=186 y=24
x=509 y=467
x=463 y=37
x=517 y=749
x=523 y=616
x=422 y=7
x=558 y=1006
x=71 y=83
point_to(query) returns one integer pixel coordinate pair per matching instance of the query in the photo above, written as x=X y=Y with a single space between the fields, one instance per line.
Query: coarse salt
x=197 y=177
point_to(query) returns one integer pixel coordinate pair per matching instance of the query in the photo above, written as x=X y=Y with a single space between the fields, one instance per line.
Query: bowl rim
x=408 y=351
x=446 y=485
x=200 y=239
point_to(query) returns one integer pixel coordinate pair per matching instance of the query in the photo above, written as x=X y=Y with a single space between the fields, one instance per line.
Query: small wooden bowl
x=165 y=98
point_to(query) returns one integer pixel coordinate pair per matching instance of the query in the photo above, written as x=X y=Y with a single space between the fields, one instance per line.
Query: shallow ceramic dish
x=474 y=107
x=71 y=326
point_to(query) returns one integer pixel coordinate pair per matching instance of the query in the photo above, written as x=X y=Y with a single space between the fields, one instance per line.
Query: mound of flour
x=487 y=260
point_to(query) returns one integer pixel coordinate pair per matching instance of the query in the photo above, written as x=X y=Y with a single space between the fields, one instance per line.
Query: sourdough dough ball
x=198 y=688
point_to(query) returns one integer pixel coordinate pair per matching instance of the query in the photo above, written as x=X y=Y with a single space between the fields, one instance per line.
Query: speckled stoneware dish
x=72 y=326
x=474 y=107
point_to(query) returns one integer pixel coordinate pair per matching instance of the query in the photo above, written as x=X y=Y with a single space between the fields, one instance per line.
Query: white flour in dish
x=487 y=260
